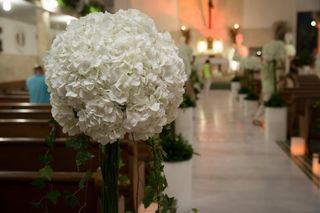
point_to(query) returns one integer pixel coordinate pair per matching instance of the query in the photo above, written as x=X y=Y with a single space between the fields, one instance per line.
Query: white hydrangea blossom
x=112 y=74
x=251 y=63
x=290 y=50
x=274 y=50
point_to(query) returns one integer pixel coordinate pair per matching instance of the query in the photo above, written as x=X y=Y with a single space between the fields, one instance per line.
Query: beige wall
x=16 y=67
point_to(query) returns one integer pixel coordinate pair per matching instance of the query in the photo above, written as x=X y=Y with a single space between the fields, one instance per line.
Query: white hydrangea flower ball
x=274 y=50
x=112 y=74
x=251 y=63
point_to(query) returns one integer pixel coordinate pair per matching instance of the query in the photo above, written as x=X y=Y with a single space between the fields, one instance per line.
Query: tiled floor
x=238 y=171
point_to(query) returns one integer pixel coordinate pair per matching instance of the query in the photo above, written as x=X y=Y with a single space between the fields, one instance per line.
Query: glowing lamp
x=50 y=5
x=298 y=146
x=236 y=26
x=183 y=28
x=202 y=46
x=6 y=5
x=315 y=165
x=313 y=23
x=217 y=47
x=234 y=65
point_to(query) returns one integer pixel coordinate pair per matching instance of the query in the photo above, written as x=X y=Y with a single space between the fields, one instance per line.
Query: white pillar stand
x=241 y=99
x=276 y=123
x=235 y=87
x=184 y=124
x=179 y=178
x=250 y=107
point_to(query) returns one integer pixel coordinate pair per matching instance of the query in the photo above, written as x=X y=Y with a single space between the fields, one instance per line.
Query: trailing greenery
x=244 y=90
x=175 y=146
x=187 y=102
x=275 y=101
x=83 y=8
x=80 y=144
x=235 y=79
x=251 y=96
x=157 y=183
x=196 y=83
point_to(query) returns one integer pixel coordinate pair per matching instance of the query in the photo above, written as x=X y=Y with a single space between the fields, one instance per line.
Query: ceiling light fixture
x=6 y=5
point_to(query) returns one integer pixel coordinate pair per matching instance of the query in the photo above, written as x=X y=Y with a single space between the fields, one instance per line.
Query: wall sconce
x=50 y=5
x=202 y=46
x=298 y=146
x=185 y=33
x=6 y=5
x=234 y=65
x=217 y=47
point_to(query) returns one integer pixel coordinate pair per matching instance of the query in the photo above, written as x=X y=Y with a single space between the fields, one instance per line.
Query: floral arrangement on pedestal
x=273 y=53
x=250 y=65
x=110 y=75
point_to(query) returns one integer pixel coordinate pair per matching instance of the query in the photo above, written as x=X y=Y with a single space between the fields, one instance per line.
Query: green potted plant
x=184 y=123
x=177 y=167
x=276 y=112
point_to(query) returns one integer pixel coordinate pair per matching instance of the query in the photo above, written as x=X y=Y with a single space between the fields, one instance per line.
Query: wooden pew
x=14 y=98
x=23 y=105
x=34 y=128
x=296 y=100
x=25 y=114
x=7 y=87
x=25 y=152
x=17 y=193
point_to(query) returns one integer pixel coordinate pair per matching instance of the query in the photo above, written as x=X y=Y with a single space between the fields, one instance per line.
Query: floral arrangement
x=111 y=75
x=273 y=53
x=274 y=50
x=251 y=63
x=126 y=77
x=290 y=50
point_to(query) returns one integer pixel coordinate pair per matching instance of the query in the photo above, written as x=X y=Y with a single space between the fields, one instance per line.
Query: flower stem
x=274 y=72
x=110 y=173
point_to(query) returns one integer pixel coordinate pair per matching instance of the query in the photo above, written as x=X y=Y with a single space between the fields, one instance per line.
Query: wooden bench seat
x=23 y=105
x=34 y=128
x=17 y=193
x=25 y=114
x=14 y=98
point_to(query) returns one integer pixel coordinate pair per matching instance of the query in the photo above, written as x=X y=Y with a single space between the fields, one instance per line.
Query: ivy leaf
x=195 y=210
x=46 y=159
x=38 y=205
x=46 y=172
x=39 y=183
x=70 y=199
x=149 y=194
x=82 y=157
x=85 y=178
x=53 y=196
x=74 y=143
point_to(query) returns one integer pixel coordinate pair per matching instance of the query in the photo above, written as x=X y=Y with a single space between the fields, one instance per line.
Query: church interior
x=160 y=106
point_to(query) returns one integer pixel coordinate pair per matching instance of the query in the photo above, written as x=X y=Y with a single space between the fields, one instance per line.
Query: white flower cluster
x=274 y=50
x=112 y=74
x=290 y=50
x=251 y=63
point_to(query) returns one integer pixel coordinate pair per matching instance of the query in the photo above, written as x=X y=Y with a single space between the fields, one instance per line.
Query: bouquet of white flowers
x=113 y=74
x=251 y=63
x=274 y=50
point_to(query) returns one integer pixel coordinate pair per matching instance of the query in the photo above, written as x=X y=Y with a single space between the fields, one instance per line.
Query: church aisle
x=238 y=171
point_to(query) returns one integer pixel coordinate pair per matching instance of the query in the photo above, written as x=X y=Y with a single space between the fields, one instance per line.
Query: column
x=43 y=35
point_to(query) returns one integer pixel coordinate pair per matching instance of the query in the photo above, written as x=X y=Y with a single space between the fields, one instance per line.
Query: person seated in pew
x=37 y=88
